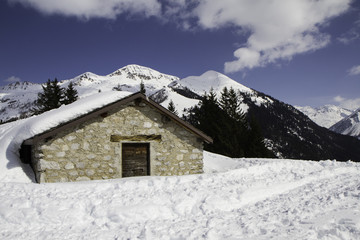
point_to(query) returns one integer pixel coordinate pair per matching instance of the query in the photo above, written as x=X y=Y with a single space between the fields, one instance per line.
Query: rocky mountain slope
x=288 y=132
x=296 y=136
x=350 y=125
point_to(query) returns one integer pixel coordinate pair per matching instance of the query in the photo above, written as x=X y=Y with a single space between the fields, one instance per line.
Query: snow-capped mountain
x=208 y=80
x=288 y=132
x=325 y=116
x=17 y=98
x=350 y=125
x=215 y=81
x=126 y=79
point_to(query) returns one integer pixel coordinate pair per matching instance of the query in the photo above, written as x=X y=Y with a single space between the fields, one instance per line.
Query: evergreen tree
x=224 y=99
x=50 y=97
x=211 y=97
x=70 y=94
x=229 y=102
x=42 y=101
x=234 y=104
x=57 y=93
x=226 y=132
x=171 y=107
x=142 y=87
x=223 y=121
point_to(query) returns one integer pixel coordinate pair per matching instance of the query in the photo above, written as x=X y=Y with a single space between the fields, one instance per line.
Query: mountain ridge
x=288 y=132
x=327 y=115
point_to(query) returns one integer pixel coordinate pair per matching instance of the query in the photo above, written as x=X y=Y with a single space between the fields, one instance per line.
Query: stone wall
x=85 y=152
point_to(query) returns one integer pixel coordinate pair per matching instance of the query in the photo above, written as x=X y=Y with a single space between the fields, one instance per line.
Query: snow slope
x=234 y=199
x=325 y=116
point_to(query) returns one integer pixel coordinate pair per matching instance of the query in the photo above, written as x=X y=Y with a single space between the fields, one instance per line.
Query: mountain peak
x=210 y=79
x=86 y=75
x=136 y=72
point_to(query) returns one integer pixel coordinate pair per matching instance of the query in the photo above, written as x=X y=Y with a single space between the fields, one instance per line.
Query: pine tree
x=171 y=107
x=42 y=101
x=57 y=93
x=226 y=132
x=223 y=121
x=50 y=98
x=234 y=104
x=229 y=102
x=211 y=97
x=224 y=98
x=70 y=94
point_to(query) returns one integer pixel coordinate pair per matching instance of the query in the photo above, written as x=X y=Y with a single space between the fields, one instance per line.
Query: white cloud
x=247 y=58
x=351 y=104
x=279 y=29
x=12 y=79
x=86 y=9
x=355 y=70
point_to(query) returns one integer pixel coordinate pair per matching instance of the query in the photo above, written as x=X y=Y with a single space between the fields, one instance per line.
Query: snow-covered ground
x=233 y=199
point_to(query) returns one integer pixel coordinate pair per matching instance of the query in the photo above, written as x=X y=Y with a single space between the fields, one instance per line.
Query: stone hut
x=133 y=136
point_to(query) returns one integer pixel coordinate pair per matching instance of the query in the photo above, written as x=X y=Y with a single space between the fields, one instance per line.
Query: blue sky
x=303 y=52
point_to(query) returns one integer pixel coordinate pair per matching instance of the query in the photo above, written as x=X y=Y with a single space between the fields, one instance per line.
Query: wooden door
x=135 y=159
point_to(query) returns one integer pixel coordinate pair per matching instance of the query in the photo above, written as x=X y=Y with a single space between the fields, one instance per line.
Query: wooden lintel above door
x=135 y=138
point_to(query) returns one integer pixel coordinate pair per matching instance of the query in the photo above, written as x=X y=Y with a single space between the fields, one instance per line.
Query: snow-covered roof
x=76 y=119
x=12 y=135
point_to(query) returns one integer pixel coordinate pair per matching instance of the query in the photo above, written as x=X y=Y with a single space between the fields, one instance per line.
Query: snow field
x=234 y=199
